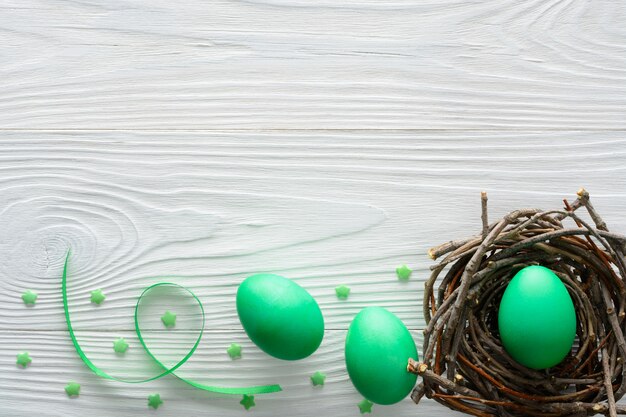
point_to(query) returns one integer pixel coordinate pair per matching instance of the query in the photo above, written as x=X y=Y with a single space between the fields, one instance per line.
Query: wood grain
x=325 y=141
x=206 y=209
x=291 y=64
x=209 y=209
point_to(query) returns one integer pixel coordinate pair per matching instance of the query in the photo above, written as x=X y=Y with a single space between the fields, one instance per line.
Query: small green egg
x=280 y=316
x=378 y=347
x=536 y=319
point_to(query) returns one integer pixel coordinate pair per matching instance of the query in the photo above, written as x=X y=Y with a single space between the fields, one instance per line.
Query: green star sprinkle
x=23 y=359
x=342 y=292
x=318 y=378
x=120 y=345
x=234 y=351
x=404 y=272
x=169 y=319
x=72 y=389
x=365 y=406
x=247 y=401
x=97 y=297
x=29 y=297
x=154 y=401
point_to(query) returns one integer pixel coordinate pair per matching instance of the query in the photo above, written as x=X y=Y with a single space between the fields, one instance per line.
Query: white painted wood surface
x=328 y=142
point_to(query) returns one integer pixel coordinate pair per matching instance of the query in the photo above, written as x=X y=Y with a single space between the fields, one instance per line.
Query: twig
x=484 y=215
x=464 y=364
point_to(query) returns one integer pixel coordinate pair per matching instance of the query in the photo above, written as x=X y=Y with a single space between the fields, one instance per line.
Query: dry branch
x=465 y=366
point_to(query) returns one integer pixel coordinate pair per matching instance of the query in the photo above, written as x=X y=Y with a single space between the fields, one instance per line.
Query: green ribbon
x=263 y=389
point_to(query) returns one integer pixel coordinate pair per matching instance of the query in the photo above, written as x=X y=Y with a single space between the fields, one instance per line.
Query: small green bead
x=404 y=272
x=365 y=406
x=120 y=345
x=169 y=319
x=154 y=401
x=318 y=378
x=97 y=297
x=342 y=292
x=247 y=401
x=234 y=351
x=72 y=389
x=29 y=297
x=23 y=359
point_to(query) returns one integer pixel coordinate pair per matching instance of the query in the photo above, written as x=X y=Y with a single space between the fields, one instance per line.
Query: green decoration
x=247 y=401
x=404 y=273
x=318 y=378
x=234 y=351
x=342 y=292
x=280 y=316
x=97 y=297
x=169 y=319
x=536 y=319
x=378 y=346
x=23 y=359
x=29 y=297
x=365 y=406
x=72 y=389
x=120 y=345
x=154 y=401
x=263 y=389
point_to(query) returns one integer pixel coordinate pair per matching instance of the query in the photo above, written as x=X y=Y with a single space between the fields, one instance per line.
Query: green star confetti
x=365 y=406
x=97 y=297
x=72 y=389
x=342 y=292
x=166 y=369
x=120 y=345
x=29 y=297
x=23 y=359
x=247 y=401
x=234 y=351
x=154 y=401
x=404 y=272
x=318 y=378
x=169 y=319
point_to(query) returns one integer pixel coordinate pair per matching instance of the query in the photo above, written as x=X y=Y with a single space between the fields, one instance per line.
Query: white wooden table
x=326 y=141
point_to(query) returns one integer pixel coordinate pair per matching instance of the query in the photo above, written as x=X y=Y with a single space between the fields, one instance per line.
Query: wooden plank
x=288 y=64
x=207 y=208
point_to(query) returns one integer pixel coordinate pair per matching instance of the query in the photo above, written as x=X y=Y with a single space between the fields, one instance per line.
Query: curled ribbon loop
x=262 y=389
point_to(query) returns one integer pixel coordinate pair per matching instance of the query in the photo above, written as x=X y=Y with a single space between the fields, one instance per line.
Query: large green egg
x=378 y=347
x=280 y=316
x=537 y=320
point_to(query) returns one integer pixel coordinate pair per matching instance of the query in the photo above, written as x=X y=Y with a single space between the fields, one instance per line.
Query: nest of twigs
x=464 y=365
